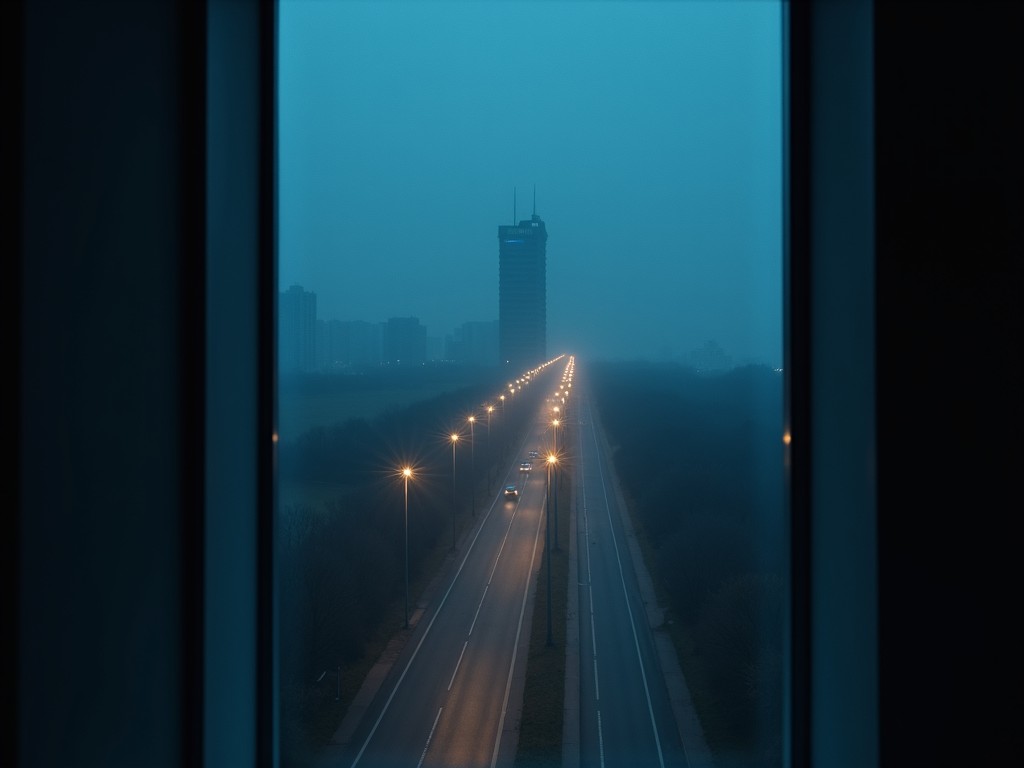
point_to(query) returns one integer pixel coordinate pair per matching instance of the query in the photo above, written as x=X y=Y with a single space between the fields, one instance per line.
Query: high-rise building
x=405 y=341
x=297 y=340
x=522 y=292
x=474 y=343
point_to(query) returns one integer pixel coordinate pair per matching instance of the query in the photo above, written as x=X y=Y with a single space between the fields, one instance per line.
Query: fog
x=647 y=134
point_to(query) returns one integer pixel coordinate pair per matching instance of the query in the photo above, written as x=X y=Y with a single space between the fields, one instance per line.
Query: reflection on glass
x=422 y=148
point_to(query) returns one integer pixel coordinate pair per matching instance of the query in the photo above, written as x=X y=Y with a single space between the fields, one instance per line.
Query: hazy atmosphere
x=651 y=132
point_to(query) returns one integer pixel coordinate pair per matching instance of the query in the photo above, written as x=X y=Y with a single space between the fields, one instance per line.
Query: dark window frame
x=929 y=572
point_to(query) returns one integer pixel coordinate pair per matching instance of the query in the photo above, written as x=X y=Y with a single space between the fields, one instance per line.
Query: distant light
x=786 y=438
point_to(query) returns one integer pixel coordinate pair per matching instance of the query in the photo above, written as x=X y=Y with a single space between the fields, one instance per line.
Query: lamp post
x=547 y=544
x=472 y=458
x=490 y=461
x=553 y=464
x=504 y=438
x=455 y=439
x=406 y=474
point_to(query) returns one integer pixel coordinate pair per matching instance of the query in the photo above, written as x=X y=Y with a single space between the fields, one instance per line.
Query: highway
x=450 y=698
x=625 y=714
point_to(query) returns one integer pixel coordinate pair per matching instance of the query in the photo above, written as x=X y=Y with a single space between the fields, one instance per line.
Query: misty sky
x=652 y=131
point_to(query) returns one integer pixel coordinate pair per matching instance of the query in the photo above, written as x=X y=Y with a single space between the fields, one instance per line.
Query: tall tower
x=522 y=292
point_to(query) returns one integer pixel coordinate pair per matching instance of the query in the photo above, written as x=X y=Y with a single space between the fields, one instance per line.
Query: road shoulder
x=691 y=733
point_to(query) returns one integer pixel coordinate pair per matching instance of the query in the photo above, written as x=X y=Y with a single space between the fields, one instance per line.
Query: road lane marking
x=454 y=671
x=426 y=631
x=625 y=593
x=593 y=632
x=429 y=737
x=502 y=547
x=600 y=738
x=597 y=683
x=519 y=629
x=478 y=607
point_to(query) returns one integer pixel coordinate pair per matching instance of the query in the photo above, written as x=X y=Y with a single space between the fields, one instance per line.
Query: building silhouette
x=297 y=311
x=522 y=292
x=474 y=343
x=405 y=341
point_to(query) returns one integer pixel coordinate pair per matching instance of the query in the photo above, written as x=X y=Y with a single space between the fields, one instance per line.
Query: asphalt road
x=625 y=714
x=450 y=698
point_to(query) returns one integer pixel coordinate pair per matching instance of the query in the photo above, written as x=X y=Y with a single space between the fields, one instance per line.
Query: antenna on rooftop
x=534 y=199
x=513 y=206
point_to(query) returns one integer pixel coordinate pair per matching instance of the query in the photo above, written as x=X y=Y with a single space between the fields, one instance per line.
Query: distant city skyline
x=652 y=131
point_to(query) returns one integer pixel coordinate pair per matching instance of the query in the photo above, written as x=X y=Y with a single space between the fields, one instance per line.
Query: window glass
x=488 y=211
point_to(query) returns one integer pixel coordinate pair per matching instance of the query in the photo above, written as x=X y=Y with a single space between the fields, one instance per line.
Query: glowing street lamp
x=553 y=466
x=406 y=474
x=472 y=454
x=547 y=541
x=455 y=439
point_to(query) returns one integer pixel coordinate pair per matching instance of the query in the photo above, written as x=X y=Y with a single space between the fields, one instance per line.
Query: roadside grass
x=321 y=725
x=330 y=713
x=540 y=729
x=690 y=662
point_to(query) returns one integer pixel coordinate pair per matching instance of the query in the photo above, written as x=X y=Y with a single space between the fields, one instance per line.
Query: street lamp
x=490 y=461
x=553 y=465
x=406 y=474
x=554 y=432
x=547 y=542
x=455 y=439
x=472 y=458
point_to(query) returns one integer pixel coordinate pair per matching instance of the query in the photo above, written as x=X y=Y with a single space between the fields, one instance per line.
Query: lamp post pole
x=490 y=460
x=455 y=439
x=555 y=506
x=472 y=458
x=504 y=440
x=406 y=474
x=547 y=546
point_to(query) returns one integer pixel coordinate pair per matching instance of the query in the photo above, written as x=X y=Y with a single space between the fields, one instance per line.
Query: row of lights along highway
x=408 y=471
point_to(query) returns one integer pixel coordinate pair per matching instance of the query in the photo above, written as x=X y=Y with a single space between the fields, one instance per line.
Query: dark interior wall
x=104 y=577
x=111 y=322
x=949 y=104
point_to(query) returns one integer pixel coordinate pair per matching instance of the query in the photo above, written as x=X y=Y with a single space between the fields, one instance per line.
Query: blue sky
x=651 y=130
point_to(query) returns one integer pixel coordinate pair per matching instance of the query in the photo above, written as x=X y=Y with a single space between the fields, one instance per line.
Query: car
x=534 y=454
x=525 y=466
x=511 y=492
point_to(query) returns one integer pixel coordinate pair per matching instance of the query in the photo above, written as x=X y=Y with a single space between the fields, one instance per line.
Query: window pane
x=422 y=147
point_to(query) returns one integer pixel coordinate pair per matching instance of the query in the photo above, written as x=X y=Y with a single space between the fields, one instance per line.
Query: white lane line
x=429 y=737
x=593 y=632
x=519 y=629
x=597 y=684
x=433 y=618
x=454 y=671
x=629 y=608
x=502 y=547
x=600 y=738
x=478 y=607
